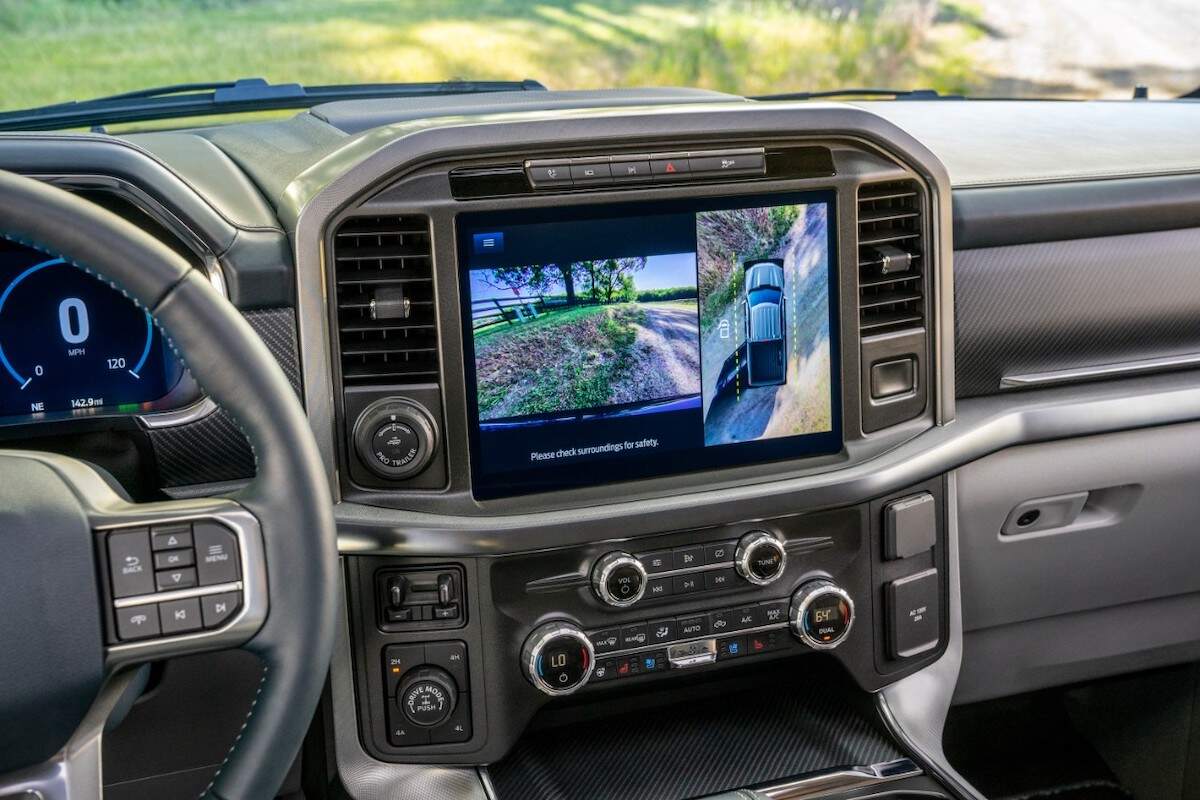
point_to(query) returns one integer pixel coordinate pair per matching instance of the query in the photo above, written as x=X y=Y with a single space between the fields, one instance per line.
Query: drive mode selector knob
x=822 y=614
x=558 y=658
x=427 y=696
x=760 y=557
x=619 y=579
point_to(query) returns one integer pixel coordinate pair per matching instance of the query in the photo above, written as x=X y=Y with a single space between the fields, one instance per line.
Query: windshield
x=60 y=50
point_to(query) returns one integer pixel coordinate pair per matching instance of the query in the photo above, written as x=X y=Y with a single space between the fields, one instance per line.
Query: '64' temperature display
x=71 y=342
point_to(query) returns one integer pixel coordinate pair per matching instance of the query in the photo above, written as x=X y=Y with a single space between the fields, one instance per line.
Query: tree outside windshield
x=58 y=50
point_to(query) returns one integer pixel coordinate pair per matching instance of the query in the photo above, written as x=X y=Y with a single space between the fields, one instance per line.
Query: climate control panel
x=559 y=658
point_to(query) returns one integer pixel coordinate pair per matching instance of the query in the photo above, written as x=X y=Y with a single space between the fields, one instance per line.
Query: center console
x=605 y=414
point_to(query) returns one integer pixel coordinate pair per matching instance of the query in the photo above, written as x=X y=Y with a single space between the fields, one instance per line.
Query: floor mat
x=1083 y=790
x=1027 y=748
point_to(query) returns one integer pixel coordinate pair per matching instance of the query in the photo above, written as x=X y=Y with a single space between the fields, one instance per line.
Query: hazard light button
x=666 y=165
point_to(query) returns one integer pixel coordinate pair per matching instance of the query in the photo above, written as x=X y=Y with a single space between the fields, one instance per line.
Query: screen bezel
x=487 y=486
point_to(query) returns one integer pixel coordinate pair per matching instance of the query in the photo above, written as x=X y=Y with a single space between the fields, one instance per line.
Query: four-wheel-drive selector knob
x=619 y=579
x=822 y=614
x=558 y=658
x=760 y=558
x=427 y=696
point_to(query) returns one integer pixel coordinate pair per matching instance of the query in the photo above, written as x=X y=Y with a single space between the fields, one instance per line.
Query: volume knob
x=558 y=658
x=619 y=579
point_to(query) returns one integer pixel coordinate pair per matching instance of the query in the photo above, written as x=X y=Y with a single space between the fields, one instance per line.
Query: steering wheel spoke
x=179 y=577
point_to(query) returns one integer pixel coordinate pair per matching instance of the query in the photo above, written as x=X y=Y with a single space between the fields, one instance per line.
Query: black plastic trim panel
x=1037 y=308
x=213 y=449
x=1007 y=215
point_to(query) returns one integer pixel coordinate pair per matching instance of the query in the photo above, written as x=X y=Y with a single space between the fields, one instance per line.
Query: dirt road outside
x=666 y=352
x=1086 y=48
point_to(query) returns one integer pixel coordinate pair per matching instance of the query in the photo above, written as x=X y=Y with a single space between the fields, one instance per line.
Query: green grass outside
x=58 y=50
x=548 y=319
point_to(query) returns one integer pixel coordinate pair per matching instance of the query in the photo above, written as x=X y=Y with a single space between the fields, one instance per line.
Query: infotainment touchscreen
x=614 y=342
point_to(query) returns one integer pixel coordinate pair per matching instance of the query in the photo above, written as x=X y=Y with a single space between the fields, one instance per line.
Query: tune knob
x=822 y=614
x=760 y=557
x=619 y=579
x=427 y=696
x=558 y=658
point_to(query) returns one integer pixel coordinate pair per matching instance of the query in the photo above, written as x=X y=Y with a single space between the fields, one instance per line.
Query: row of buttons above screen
x=645 y=168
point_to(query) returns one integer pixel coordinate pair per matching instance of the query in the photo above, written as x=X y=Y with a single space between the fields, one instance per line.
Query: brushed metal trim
x=179 y=416
x=1073 y=374
x=178 y=594
x=841 y=780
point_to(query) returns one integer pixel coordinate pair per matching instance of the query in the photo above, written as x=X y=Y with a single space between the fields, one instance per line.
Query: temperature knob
x=558 y=658
x=822 y=614
x=619 y=579
x=760 y=558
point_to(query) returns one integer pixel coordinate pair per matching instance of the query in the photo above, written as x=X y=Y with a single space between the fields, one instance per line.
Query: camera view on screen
x=697 y=336
x=764 y=322
x=604 y=332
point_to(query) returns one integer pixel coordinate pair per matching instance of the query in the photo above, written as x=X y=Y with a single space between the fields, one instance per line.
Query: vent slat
x=384 y=265
x=891 y=294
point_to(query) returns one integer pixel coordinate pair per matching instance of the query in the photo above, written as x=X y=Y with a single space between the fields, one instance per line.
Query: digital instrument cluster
x=71 y=343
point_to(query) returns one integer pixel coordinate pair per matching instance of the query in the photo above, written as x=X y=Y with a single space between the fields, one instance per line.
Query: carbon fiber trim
x=213 y=449
x=1038 y=308
x=695 y=749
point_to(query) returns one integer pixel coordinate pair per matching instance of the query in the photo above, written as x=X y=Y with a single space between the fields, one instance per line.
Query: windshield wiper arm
x=232 y=97
x=895 y=94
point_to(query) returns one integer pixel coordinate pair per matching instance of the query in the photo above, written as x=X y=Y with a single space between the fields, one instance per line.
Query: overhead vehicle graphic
x=765 y=312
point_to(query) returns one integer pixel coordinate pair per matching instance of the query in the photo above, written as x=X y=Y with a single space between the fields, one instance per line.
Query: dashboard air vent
x=891 y=265
x=387 y=328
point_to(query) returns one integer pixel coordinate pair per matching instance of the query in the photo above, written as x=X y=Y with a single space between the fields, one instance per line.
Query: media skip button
x=216 y=609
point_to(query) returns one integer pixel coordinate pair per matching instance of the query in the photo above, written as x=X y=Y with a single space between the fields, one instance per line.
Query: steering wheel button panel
x=216 y=554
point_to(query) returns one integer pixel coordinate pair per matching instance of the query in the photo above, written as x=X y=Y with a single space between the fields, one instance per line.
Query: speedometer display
x=71 y=342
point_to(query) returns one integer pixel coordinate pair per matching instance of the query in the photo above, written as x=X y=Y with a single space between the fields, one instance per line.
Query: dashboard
x=624 y=401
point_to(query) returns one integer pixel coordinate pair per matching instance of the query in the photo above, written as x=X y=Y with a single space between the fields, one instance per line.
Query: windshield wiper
x=895 y=94
x=232 y=97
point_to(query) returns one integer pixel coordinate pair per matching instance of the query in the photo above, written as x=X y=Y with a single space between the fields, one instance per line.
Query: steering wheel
x=80 y=608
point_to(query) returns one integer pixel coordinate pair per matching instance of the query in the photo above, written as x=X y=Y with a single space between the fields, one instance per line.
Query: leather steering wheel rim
x=290 y=495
